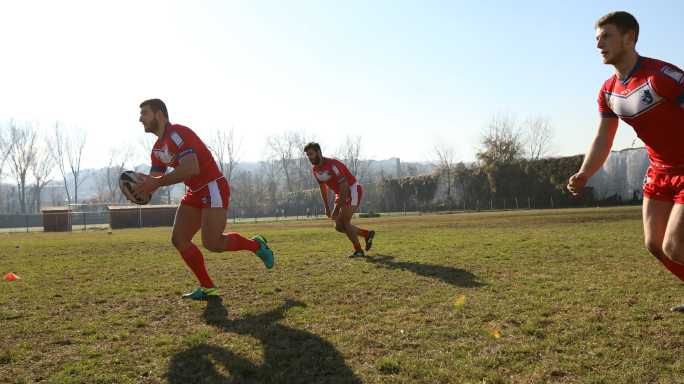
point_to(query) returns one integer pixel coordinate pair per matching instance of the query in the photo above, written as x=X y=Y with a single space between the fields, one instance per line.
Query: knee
x=656 y=249
x=674 y=249
x=179 y=242
x=339 y=226
x=213 y=245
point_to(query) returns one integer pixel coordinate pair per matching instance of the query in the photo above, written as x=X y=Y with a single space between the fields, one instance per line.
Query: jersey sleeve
x=603 y=107
x=156 y=165
x=669 y=83
x=340 y=170
x=313 y=172
x=184 y=142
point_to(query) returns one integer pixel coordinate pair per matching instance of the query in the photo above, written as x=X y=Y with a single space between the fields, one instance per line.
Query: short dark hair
x=312 y=145
x=624 y=21
x=156 y=105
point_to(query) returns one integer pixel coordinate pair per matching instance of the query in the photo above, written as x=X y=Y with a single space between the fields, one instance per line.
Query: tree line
x=512 y=165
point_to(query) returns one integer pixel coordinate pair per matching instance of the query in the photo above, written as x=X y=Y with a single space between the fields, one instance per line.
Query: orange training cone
x=11 y=277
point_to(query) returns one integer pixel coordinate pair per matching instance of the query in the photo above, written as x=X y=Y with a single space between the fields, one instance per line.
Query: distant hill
x=92 y=177
x=387 y=166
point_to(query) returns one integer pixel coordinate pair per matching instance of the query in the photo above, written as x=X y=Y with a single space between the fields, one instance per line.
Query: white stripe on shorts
x=215 y=195
x=354 y=189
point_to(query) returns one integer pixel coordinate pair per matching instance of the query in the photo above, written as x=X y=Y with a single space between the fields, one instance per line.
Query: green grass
x=564 y=296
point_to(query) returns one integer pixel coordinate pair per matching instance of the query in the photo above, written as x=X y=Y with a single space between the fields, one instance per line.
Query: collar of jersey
x=625 y=80
x=166 y=132
x=323 y=160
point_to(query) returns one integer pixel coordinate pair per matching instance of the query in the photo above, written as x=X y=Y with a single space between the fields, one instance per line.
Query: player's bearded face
x=149 y=120
x=152 y=125
x=314 y=156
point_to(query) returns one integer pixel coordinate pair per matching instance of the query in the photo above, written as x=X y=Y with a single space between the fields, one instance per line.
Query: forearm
x=324 y=197
x=344 y=193
x=181 y=173
x=597 y=155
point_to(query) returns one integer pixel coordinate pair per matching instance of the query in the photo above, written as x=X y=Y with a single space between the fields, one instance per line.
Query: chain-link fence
x=54 y=221
x=91 y=217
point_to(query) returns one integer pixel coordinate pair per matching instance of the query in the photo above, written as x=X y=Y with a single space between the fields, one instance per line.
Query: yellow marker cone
x=494 y=332
x=459 y=301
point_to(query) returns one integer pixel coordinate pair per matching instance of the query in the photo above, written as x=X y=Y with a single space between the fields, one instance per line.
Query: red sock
x=236 y=242
x=362 y=232
x=674 y=267
x=194 y=259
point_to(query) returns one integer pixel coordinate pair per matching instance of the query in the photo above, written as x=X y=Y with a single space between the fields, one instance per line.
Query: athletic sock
x=194 y=259
x=236 y=242
x=362 y=232
x=677 y=269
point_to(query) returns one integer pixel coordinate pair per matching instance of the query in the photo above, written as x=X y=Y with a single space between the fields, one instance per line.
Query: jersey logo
x=646 y=97
x=635 y=103
x=164 y=155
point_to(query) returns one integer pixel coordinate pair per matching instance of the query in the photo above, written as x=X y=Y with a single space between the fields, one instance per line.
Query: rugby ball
x=127 y=181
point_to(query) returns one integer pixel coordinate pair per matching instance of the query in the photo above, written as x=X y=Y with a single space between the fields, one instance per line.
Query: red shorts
x=354 y=198
x=665 y=187
x=213 y=195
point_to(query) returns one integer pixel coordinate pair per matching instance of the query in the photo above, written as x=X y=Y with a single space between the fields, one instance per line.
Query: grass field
x=564 y=296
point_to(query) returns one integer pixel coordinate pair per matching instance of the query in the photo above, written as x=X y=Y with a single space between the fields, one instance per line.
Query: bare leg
x=343 y=224
x=185 y=226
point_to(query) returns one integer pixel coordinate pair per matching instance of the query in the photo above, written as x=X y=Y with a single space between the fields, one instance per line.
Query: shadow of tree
x=290 y=355
x=450 y=275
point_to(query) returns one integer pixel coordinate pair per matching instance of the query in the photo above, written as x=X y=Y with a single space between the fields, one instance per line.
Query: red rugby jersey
x=649 y=100
x=177 y=142
x=332 y=172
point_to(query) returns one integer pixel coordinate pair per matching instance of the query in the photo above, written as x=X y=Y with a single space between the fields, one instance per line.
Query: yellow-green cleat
x=201 y=293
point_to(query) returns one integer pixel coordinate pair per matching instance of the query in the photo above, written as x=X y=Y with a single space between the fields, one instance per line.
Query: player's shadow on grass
x=450 y=275
x=290 y=355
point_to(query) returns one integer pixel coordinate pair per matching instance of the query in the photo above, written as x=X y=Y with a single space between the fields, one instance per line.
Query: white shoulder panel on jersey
x=177 y=139
x=673 y=73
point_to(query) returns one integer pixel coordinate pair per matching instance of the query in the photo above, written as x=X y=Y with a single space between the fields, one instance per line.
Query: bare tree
x=58 y=152
x=350 y=153
x=41 y=170
x=538 y=137
x=226 y=149
x=446 y=164
x=288 y=150
x=22 y=156
x=74 y=150
x=55 y=195
x=270 y=169
x=502 y=149
x=108 y=187
x=67 y=151
x=501 y=141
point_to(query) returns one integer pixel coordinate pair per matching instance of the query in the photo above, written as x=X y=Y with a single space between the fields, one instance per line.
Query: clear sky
x=404 y=75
